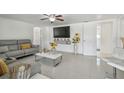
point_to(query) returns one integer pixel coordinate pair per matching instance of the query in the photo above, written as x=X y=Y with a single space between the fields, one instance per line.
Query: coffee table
x=49 y=57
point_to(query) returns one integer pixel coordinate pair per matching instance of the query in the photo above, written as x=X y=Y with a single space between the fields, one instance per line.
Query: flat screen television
x=61 y=32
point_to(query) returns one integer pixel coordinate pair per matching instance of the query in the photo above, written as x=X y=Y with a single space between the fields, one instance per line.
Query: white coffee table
x=54 y=58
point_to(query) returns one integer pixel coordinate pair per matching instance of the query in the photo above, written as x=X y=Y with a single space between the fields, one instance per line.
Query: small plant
x=53 y=45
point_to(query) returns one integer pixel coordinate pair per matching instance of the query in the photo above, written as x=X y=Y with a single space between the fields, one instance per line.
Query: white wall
x=77 y=28
x=110 y=38
x=121 y=32
x=12 y=29
x=47 y=33
x=122 y=28
x=90 y=40
x=74 y=28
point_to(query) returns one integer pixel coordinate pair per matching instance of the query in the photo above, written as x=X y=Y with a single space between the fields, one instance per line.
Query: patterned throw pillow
x=25 y=46
x=3 y=68
x=20 y=71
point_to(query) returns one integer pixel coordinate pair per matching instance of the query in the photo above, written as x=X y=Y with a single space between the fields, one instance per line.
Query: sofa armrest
x=10 y=60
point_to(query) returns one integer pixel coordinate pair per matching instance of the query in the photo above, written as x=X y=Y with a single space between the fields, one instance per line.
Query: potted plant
x=75 y=41
x=53 y=46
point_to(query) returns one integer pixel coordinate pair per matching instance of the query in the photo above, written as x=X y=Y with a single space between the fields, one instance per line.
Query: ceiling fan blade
x=46 y=14
x=58 y=16
x=44 y=18
x=60 y=19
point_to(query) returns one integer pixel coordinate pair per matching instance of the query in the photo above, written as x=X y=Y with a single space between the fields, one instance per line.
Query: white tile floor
x=75 y=67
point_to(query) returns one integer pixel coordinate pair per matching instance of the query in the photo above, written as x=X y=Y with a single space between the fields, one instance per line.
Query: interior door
x=106 y=38
x=90 y=40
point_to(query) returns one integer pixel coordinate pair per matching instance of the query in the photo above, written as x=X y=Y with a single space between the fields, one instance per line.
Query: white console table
x=65 y=48
x=115 y=63
x=116 y=60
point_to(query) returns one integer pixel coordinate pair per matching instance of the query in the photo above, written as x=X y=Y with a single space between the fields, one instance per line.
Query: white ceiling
x=68 y=18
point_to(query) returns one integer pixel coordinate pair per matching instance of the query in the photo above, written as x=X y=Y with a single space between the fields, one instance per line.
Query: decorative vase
x=75 y=48
x=53 y=50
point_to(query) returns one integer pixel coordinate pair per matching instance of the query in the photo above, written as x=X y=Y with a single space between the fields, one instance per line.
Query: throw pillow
x=13 y=47
x=20 y=71
x=3 y=68
x=25 y=46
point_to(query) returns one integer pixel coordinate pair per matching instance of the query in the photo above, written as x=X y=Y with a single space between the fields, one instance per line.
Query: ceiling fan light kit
x=53 y=17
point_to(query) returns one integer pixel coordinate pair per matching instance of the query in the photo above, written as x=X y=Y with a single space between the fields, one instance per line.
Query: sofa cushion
x=24 y=41
x=14 y=53
x=13 y=47
x=31 y=50
x=3 y=49
x=8 y=42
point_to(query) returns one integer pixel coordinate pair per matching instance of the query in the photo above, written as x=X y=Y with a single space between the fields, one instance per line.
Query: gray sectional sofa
x=11 y=48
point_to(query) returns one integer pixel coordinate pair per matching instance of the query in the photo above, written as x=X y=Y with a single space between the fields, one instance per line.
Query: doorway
x=90 y=41
x=104 y=39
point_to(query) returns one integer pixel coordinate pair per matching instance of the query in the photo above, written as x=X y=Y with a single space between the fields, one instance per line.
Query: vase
x=53 y=50
x=75 y=48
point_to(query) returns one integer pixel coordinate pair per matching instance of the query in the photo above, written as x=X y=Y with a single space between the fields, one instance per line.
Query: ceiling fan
x=53 y=17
